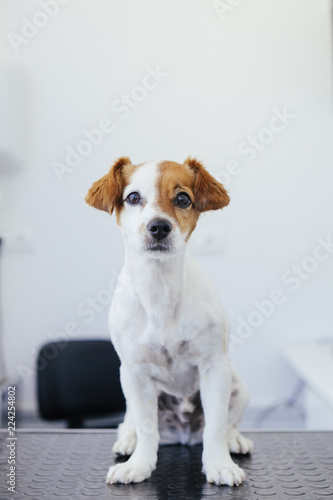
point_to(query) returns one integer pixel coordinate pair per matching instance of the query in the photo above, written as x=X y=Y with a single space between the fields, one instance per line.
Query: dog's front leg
x=141 y=399
x=215 y=386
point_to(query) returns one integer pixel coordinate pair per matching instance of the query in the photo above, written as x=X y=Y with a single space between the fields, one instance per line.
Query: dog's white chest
x=166 y=324
x=173 y=366
x=169 y=353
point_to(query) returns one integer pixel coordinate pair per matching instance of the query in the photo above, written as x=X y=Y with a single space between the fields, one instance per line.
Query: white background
x=226 y=76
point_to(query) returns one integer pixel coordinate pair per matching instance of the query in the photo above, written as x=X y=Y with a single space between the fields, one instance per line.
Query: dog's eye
x=133 y=198
x=183 y=200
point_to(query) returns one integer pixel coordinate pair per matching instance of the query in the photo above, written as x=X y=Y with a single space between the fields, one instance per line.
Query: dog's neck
x=157 y=283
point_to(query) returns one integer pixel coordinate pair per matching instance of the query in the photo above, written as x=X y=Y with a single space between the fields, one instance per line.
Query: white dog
x=167 y=323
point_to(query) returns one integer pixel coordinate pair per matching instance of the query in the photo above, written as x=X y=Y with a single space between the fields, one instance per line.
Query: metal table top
x=73 y=464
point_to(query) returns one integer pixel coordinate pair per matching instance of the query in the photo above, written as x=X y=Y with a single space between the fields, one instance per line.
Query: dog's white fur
x=169 y=329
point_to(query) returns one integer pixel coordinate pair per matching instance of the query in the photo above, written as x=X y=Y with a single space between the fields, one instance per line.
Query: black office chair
x=79 y=380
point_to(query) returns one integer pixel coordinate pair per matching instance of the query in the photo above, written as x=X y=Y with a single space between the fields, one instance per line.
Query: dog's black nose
x=159 y=228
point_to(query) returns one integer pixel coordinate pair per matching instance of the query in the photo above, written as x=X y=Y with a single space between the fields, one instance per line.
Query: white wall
x=226 y=76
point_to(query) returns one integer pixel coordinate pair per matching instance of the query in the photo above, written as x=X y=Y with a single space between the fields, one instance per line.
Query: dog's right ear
x=106 y=193
x=209 y=193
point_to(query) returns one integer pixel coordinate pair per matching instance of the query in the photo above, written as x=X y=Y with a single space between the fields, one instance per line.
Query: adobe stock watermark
x=255 y=144
x=292 y=278
x=30 y=28
x=87 y=310
x=224 y=7
x=121 y=108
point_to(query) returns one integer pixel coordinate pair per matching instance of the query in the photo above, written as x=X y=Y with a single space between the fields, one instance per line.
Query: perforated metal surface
x=73 y=465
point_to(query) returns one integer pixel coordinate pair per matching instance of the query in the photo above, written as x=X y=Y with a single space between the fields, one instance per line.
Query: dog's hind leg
x=238 y=402
x=126 y=440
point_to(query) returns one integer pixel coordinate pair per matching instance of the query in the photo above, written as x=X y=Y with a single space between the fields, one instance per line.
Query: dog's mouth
x=156 y=246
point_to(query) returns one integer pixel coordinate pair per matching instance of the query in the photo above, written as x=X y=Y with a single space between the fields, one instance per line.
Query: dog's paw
x=126 y=443
x=230 y=475
x=238 y=443
x=128 y=472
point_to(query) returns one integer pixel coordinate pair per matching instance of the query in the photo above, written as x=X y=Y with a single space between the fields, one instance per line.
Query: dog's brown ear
x=208 y=192
x=106 y=193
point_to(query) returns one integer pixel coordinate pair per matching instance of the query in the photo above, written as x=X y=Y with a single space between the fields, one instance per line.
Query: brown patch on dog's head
x=209 y=193
x=191 y=177
x=175 y=178
x=106 y=193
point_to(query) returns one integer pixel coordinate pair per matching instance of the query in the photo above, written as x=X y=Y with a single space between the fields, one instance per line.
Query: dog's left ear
x=106 y=193
x=208 y=192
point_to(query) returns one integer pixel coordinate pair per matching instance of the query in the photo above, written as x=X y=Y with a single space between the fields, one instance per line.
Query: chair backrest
x=78 y=379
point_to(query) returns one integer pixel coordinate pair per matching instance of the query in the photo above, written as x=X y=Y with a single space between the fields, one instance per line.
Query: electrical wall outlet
x=208 y=239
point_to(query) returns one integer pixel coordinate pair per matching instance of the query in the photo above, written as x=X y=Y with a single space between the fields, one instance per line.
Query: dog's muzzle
x=159 y=228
